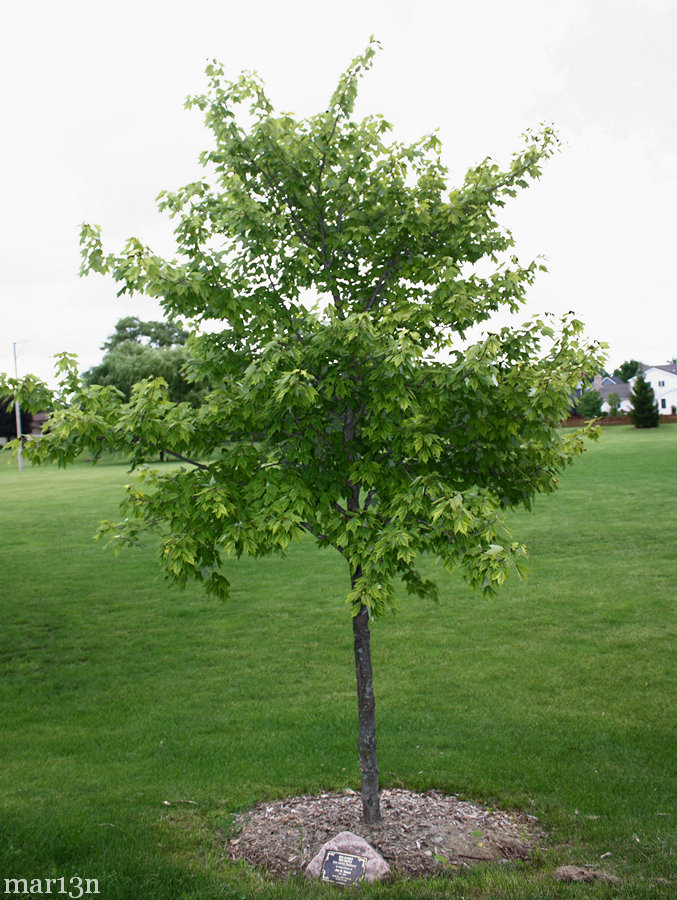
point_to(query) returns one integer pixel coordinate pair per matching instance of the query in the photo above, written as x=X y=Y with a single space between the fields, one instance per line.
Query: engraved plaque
x=343 y=868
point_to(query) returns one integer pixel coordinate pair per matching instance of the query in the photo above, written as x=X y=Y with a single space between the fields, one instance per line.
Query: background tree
x=644 y=412
x=8 y=419
x=627 y=369
x=139 y=350
x=152 y=334
x=345 y=404
x=614 y=401
x=590 y=404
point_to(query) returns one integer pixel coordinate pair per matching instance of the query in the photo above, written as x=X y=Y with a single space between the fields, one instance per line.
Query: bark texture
x=366 y=713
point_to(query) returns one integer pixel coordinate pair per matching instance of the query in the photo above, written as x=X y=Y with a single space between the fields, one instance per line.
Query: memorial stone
x=347 y=858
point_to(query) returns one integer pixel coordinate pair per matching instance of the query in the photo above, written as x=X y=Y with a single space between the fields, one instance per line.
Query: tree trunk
x=371 y=809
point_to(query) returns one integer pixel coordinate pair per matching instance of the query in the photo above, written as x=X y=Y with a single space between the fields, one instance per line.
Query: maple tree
x=346 y=402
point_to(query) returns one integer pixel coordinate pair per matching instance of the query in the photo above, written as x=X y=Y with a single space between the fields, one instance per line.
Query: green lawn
x=118 y=693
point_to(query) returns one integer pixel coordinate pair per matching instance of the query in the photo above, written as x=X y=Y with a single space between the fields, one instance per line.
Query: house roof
x=622 y=388
x=669 y=367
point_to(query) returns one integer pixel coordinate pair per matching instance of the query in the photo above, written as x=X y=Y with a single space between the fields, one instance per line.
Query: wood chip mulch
x=419 y=834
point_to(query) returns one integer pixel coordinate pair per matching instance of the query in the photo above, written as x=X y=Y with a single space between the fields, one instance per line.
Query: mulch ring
x=419 y=834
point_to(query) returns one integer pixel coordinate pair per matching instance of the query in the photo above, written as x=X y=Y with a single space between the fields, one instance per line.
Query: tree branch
x=301 y=233
x=322 y=537
x=185 y=459
x=387 y=271
x=370 y=496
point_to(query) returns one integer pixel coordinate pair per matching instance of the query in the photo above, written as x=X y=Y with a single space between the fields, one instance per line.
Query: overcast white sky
x=94 y=128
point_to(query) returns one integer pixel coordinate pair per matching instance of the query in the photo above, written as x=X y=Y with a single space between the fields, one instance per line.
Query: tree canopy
x=627 y=369
x=614 y=401
x=589 y=405
x=347 y=402
x=139 y=350
x=151 y=334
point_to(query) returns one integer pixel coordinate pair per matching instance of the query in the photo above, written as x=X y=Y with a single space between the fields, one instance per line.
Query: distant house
x=39 y=420
x=605 y=385
x=663 y=380
x=611 y=384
